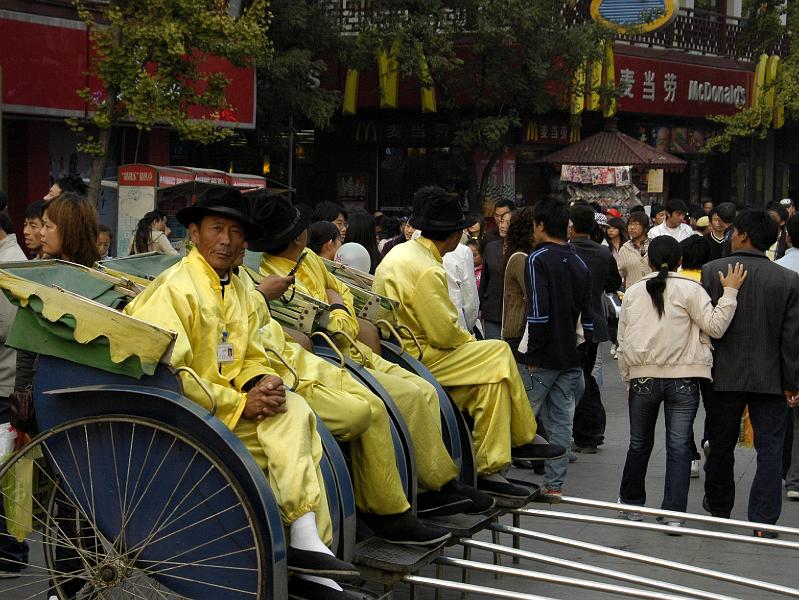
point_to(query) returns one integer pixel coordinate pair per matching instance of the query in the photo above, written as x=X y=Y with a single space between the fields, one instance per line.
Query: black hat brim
x=431 y=225
x=264 y=244
x=194 y=214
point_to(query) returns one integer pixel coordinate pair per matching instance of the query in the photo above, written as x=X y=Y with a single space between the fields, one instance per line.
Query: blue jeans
x=552 y=398
x=680 y=398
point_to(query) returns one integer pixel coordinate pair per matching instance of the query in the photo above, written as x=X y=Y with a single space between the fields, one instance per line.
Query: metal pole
x=559 y=579
x=656 y=512
x=598 y=571
x=517 y=522
x=651 y=560
x=716 y=535
x=442 y=584
x=290 y=174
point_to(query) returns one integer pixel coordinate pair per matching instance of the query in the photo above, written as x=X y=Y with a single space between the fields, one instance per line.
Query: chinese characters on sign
x=680 y=89
x=537 y=132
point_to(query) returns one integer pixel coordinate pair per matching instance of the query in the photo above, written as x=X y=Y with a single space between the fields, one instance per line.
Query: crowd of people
x=514 y=321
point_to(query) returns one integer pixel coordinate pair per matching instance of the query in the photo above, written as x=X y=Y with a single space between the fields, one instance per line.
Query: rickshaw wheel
x=129 y=508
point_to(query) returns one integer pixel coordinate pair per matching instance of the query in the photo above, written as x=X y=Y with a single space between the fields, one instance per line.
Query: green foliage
x=149 y=61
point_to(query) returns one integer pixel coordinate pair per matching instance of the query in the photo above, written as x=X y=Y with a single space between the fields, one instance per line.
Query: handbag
x=23 y=411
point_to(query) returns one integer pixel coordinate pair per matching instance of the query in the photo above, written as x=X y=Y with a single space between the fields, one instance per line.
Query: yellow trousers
x=288 y=448
x=353 y=414
x=483 y=379
x=417 y=401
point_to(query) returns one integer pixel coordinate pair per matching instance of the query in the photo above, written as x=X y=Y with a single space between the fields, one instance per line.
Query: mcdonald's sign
x=365 y=132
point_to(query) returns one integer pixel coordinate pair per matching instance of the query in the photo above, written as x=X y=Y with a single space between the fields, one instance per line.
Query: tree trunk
x=100 y=160
x=492 y=160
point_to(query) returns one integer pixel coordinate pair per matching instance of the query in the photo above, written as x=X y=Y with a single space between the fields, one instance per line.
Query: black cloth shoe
x=538 y=452
x=439 y=504
x=502 y=489
x=302 y=589
x=584 y=449
x=320 y=564
x=405 y=528
x=480 y=502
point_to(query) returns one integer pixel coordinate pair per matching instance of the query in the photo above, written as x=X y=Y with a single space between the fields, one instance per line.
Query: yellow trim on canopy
x=669 y=14
x=388 y=70
x=126 y=335
x=350 y=106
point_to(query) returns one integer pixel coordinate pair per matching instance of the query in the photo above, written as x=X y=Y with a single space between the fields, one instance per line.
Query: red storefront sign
x=679 y=89
x=151 y=176
x=45 y=60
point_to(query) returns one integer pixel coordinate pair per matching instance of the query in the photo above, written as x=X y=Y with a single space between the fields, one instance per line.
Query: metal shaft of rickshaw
x=650 y=560
x=558 y=579
x=468 y=588
x=599 y=571
x=671 y=514
x=661 y=528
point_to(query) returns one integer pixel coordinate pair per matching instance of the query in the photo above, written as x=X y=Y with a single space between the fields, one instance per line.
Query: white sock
x=304 y=535
x=321 y=581
x=495 y=477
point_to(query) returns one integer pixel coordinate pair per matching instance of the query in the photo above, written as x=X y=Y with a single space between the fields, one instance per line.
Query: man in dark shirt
x=589 y=415
x=755 y=364
x=559 y=294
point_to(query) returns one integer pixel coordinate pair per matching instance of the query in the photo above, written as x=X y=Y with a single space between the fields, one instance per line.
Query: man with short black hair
x=502 y=209
x=674 y=225
x=589 y=414
x=558 y=295
x=755 y=364
x=727 y=212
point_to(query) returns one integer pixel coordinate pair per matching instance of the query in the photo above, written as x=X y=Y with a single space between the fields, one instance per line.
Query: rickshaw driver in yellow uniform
x=352 y=414
x=209 y=308
x=481 y=376
x=283 y=243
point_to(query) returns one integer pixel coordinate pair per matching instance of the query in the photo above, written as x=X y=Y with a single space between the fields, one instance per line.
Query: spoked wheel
x=133 y=509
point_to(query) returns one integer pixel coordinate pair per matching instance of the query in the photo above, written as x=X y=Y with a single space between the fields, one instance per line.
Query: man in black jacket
x=589 y=415
x=559 y=294
x=755 y=364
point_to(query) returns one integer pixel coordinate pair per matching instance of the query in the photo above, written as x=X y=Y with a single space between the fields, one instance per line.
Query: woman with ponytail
x=151 y=235
x=664 y=350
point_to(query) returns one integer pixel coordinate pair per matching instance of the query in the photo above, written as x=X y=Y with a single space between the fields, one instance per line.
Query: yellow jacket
x=413 y=273
x=314 y=279
x=187 y=298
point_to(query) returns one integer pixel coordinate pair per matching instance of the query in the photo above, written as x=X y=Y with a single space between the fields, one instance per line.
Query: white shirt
x=790 y=260
x=462 y=286
x=678 y=233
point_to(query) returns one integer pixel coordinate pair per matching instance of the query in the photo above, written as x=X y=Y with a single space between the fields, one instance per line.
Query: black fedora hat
x=436 y=210
x=279 y=219
x=222 y=200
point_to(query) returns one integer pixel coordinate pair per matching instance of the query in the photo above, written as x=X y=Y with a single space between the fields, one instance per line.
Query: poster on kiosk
x=143 y=188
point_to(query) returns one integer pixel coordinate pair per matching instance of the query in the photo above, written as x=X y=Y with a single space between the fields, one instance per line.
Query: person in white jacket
x=664 y=349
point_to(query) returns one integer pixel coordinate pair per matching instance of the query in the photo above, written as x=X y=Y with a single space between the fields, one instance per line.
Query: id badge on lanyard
x=224 y=351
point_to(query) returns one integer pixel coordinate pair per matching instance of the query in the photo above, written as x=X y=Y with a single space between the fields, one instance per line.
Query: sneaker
x=503 y=489
x=673 y=523
x=572 y=457
x=320 y=564
x=792 y=494
x=768 y=535
x=695 y=469
x=480 y=502
x=405 y=528
x=550 y=495
x=538 y=452
x=442 y=503
x=630 y=515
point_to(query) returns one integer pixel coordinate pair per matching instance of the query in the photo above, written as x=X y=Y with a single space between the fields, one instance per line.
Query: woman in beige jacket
x=664 y=349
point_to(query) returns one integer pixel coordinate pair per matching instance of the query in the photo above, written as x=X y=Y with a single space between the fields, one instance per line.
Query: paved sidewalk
x=597 y=476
